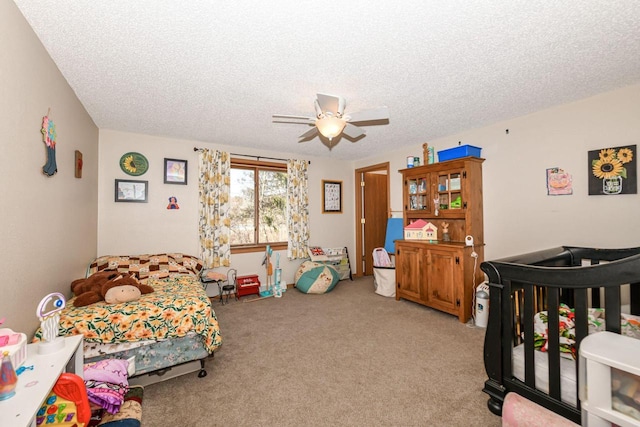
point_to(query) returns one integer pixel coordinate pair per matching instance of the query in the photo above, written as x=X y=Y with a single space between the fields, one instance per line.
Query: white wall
x=48 y=232
x=519 y=216
x=136 y=228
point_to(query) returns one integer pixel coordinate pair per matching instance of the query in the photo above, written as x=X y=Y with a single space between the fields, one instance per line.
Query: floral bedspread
x=629 y=325
x=177 y=306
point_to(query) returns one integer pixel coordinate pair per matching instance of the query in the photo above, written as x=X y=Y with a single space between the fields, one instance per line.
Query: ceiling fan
x=331 y=121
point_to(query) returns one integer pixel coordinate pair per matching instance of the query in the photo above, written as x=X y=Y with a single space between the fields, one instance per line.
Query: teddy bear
x=120 y=287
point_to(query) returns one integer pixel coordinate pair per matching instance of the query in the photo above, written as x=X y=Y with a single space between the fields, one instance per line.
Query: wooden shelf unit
x=338 y=258
x=442 y=274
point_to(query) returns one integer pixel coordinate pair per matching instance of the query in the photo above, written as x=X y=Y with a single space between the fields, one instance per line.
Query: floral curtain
x=215 y=224
x=297 y=209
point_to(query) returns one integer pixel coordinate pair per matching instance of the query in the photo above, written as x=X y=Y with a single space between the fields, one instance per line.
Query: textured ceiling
x=216 y=71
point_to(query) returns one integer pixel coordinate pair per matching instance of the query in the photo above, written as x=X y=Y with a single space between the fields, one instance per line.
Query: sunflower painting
x=613 y=171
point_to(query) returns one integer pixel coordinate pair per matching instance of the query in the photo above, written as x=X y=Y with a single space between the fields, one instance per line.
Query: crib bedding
x=630 y=326
x=567 y=373
x=152 y=356
x=178 y=306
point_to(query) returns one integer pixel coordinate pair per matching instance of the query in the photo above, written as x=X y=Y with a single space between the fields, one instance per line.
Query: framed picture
x=131 y=191
x=613 y=171
x=175 y=171
x=331 y=196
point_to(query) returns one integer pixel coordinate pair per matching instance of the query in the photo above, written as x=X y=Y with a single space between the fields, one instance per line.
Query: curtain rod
x=249 y=155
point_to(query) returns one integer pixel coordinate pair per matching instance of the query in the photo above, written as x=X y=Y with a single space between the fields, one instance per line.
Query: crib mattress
x=160 y=354
x=567 y=373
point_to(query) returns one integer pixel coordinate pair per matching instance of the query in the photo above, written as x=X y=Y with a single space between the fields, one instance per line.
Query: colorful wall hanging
x=49 y=137
x=78 y=163
x=173 y=203
x=559 y=182
x=134 y=164
x=613 y=171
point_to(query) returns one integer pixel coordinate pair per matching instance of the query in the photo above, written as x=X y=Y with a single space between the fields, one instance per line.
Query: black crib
x=521 y=286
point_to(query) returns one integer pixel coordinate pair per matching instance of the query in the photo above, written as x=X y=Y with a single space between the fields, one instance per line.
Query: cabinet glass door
x=418 y=193
x=450 y=191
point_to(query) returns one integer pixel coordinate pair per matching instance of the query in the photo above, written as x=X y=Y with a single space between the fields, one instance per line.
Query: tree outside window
x=258 y=203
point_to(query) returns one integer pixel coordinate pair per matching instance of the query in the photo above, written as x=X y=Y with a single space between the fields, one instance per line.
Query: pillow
x=316 y=278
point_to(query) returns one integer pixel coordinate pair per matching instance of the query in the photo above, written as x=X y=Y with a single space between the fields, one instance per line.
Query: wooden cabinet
x=437 y=273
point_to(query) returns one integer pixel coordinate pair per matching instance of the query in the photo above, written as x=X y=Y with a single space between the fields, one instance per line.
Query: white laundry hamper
x=384 y=273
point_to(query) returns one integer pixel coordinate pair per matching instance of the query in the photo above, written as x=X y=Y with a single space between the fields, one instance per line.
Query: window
x=258 y=205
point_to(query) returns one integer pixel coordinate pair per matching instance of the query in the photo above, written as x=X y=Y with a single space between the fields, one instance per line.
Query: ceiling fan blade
x=380 y=113
x=286 y=118
x=352 y=131
x=309 y=134
x=290 y=116
x=341 y=104
x=329 y=103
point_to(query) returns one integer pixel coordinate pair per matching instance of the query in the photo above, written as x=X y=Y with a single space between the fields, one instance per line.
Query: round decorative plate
x=134 y=164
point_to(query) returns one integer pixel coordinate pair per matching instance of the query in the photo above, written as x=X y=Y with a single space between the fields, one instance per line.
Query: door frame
x=358 y=203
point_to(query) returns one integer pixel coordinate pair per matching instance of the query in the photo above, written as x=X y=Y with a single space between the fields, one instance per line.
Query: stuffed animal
x=124 y=289
x=120 y=287
x=91 y=287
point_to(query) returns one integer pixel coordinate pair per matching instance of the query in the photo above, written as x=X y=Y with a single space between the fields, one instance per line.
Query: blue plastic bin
x=458 y=152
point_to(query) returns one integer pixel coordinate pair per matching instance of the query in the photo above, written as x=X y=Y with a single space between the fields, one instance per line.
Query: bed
x=542 y=304
x=173 y=329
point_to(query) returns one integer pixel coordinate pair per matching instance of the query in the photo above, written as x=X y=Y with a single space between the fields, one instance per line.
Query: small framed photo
x=331 y=196
x=175 y=171
x=131 y=191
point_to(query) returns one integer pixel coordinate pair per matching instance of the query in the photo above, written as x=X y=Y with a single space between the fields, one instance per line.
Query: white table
x=34 y=385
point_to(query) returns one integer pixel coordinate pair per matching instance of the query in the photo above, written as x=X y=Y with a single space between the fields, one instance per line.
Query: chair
x=230 y=286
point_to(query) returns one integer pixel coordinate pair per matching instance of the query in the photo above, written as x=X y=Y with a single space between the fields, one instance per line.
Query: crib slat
x=582 y=328
x=612 y=309
x=507 y=323
x=529 y=350
x=553 y=300
x=634 y=291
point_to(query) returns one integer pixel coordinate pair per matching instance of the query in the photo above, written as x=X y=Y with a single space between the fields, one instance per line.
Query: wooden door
x=443 y=276
x=375 y=216
x=372 y=211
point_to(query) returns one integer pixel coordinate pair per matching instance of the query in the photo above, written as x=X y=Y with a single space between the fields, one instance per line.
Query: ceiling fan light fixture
x=330 y=127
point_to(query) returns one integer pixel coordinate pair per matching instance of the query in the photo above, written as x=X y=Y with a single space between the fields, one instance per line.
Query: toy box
x=458 y=152
x=15 y=344
x=248 y=285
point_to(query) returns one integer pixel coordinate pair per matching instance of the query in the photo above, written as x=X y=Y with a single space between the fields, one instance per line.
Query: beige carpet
x=346 y=358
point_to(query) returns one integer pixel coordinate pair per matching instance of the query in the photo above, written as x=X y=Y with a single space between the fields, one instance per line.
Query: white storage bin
x=384 y=273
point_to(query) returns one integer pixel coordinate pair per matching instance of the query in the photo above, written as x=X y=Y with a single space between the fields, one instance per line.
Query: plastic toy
x=8 y=377
x=269 y=267
x=49 y=322
x=67 y=404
